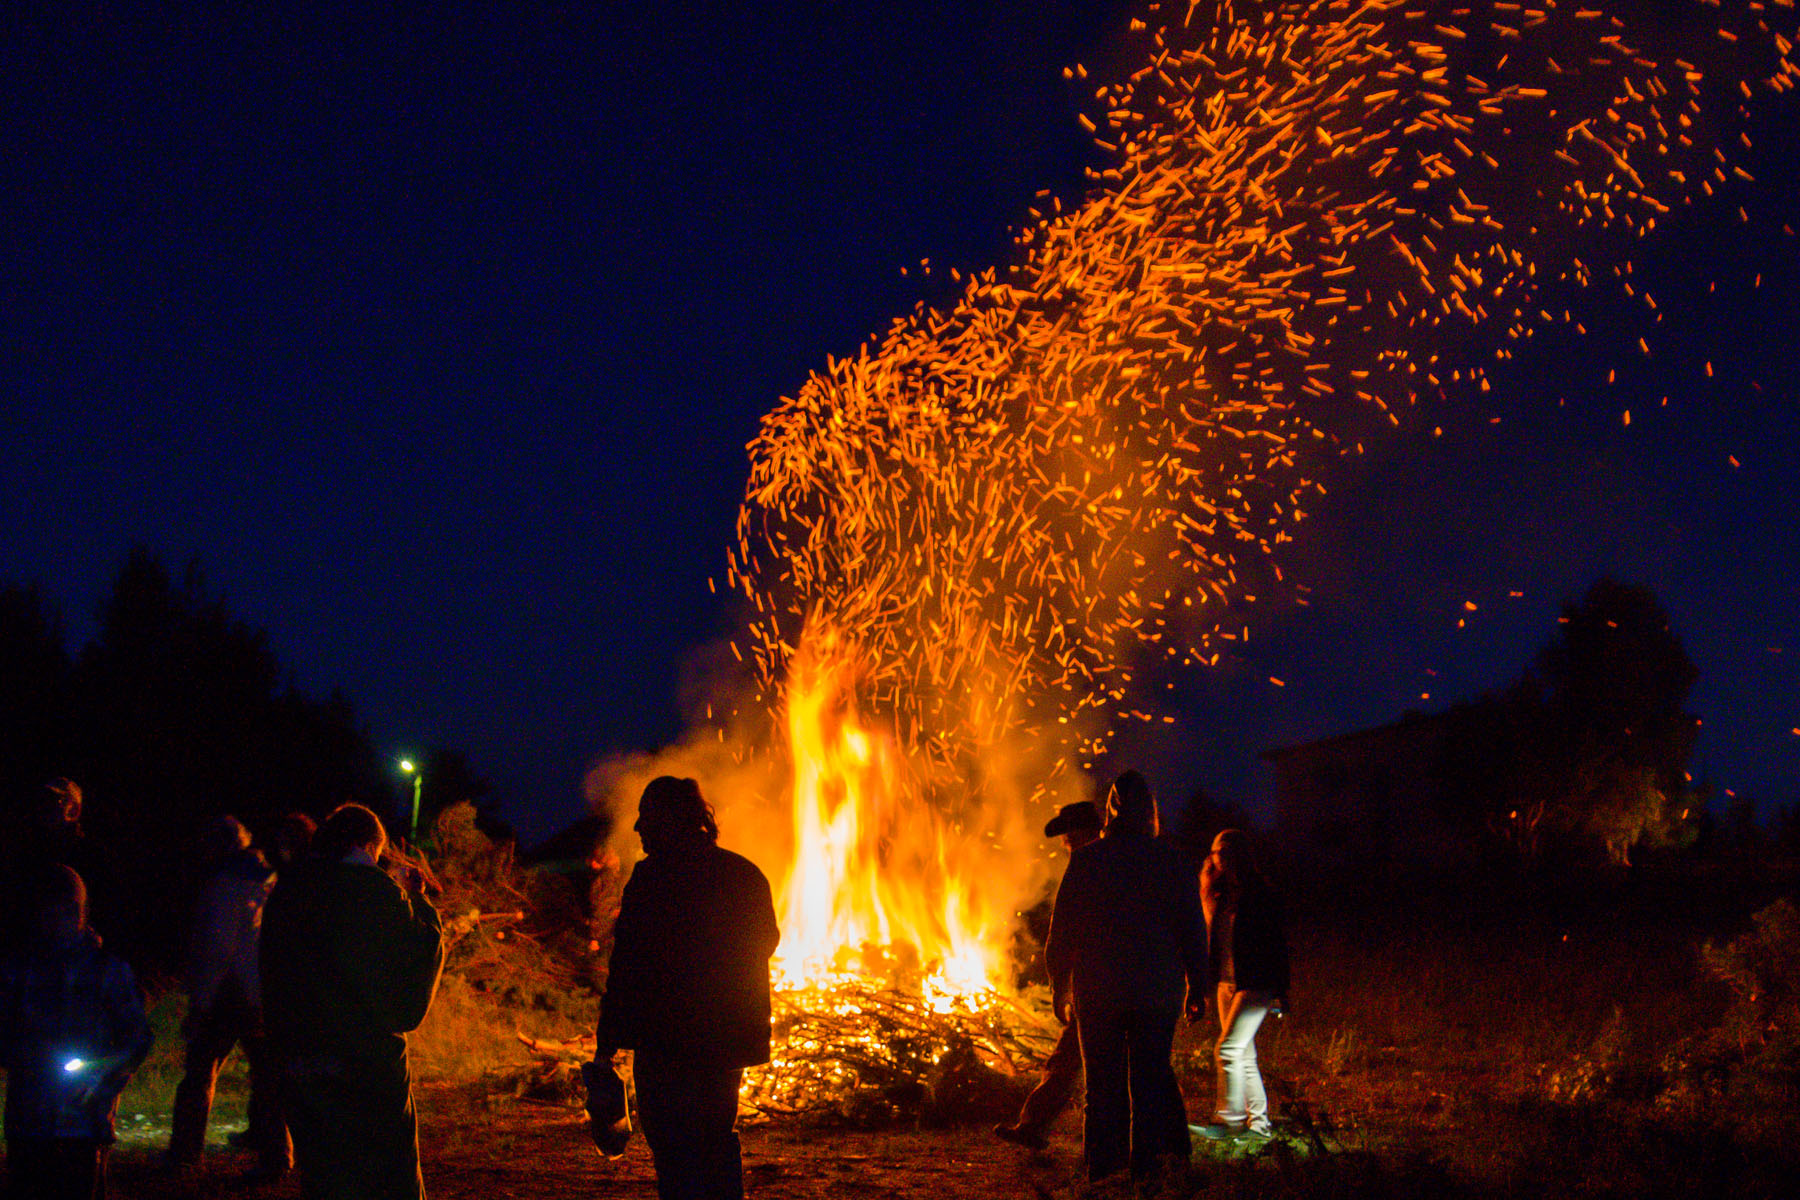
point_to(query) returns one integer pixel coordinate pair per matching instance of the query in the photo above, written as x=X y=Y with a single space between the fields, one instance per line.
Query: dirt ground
x=508 y=1150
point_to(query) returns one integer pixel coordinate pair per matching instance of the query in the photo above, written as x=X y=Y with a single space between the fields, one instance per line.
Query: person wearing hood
x=350 y=963
x=688 y=991
x=72 y=1031
x=1127 y=947
x=224 y=986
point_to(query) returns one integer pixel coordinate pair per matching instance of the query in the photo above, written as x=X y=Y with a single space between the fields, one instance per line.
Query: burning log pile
x=873 y=1052
x=866 y=1052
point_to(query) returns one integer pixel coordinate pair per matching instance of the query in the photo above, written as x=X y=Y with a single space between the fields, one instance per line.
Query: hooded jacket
x=350 y=962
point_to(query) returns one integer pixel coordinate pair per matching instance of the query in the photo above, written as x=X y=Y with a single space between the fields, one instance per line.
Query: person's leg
x=355 y=1135
x=1106 y=1131
x=1158 y=1114
x=315 y=1107
x=33 y=1168
x=718 y=1155
x=663 y=1116
x=1252 y=1010
x=1056 y=1087
x=1237 y=1057
x=1226 y=996
x=268 y=1132
x=56 y=1169
x=207 y=1047
x=101 y=1154
x=388 y=1128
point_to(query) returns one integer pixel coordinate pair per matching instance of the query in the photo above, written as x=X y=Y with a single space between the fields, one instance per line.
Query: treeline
x=173 y=713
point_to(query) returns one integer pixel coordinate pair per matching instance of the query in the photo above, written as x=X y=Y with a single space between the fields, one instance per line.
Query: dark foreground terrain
x=1630 y=1037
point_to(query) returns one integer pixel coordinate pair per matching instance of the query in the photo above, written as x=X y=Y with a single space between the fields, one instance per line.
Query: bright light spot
x=74 y=1065
x=406 y=765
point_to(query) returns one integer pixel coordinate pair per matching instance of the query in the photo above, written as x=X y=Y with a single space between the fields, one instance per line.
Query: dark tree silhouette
x=176 y=712
x=34 y=698
x=179 y=713
x=1615 y=679
x=1198 y=819
x=1589 y=750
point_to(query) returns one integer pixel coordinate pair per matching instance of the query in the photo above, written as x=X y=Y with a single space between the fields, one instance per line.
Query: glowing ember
x=1320 y=212
x=980 y=527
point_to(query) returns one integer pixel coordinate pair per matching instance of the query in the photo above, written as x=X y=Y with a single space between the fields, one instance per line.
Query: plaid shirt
x=58 y=1003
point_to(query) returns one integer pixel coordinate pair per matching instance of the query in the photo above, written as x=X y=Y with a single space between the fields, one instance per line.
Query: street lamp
x=408 y=767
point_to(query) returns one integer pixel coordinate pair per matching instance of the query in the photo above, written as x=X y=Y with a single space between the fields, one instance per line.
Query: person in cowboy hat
x=1077 y=825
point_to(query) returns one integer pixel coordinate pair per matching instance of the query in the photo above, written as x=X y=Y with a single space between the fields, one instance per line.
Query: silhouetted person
x=1126 y=944
x=292 y=840
x=1247 y=954
x=72 y=1030
x=225 y=1001
x=350 y=962
x=1076 y=824
x=51 y=836
x=688 y=990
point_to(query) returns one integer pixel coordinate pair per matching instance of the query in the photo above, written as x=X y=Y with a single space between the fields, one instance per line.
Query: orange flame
x=882 y=879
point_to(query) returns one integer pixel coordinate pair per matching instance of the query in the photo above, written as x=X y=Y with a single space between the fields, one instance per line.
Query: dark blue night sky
x=436 y=334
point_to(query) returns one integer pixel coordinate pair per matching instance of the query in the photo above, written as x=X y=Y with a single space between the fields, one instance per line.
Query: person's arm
x=396 y=970
x=767 y=932
x=1278 y=950
x=624 y=985
x=1192 y=932
x=127 y=1037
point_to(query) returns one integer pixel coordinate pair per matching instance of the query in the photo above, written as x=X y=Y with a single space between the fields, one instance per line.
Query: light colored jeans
x=1240 y=1093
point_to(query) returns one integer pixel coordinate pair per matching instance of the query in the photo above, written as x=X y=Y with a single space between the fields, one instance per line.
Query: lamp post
x=408 y=767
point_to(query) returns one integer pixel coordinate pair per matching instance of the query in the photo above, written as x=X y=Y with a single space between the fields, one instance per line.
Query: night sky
x=436 y=334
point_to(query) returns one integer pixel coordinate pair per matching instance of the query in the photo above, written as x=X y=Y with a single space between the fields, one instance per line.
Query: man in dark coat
x=1127 y=944
x=350 y=962
x=688 y=990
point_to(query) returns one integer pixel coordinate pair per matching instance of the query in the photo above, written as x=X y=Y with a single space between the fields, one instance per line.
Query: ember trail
x=964 y=542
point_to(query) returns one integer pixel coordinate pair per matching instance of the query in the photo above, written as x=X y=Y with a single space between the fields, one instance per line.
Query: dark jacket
x=350 y=962
x=227 y=925
x=1127 y=932
x=60 y=1002
x=689 y=977
x=1259 y=950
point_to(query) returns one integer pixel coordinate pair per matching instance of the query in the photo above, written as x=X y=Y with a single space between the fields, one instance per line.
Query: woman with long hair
x=1247 y=952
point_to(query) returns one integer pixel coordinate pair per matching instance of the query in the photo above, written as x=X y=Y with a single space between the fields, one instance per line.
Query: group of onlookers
x=319 y=963
x=1135 y=940
x=1138 y=936
x=316 y=966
